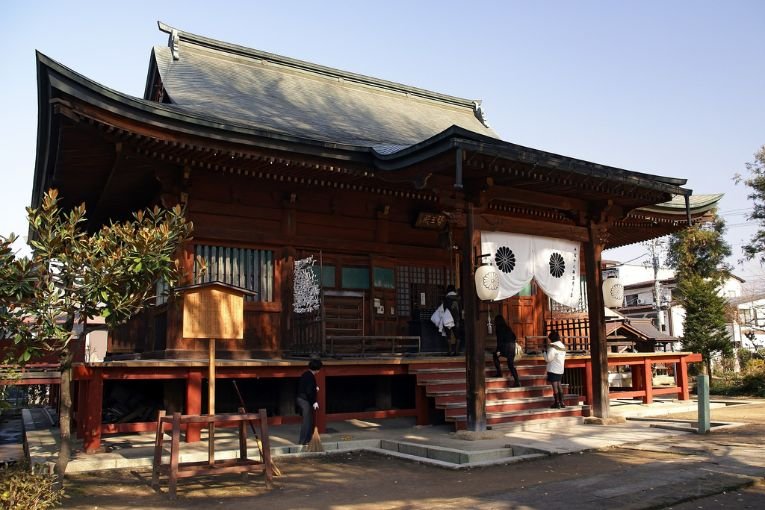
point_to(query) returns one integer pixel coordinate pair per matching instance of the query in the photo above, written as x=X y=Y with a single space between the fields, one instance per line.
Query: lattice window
x=406 y=276
x=243 y=267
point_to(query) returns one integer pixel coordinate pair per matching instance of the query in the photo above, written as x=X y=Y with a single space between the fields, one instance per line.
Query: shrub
x=22 y=488
x=750 y=383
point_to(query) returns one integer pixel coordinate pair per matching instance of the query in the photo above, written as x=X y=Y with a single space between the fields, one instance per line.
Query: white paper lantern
x=486 y=282
x=613 y=293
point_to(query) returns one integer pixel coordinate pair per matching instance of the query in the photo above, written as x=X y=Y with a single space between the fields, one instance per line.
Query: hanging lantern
x=486 y=281
x=613 y=293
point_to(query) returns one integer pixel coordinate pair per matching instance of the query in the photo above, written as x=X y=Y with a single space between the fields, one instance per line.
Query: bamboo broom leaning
x=274 y=468
x=314 y=445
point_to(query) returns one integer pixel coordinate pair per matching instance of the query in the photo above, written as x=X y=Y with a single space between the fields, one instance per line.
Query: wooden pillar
x=596 y=314
x=81 y=406
x=421 y=405
x=475 y=359
x=91 y=440
x=193 y=404
x=682 y=379
x=647 y=380
x=588 y=381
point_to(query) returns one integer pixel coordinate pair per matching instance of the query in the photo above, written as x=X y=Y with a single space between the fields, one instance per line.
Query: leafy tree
x=73 y=275
x=756 y=181
x=698 y=256
x=705 y=330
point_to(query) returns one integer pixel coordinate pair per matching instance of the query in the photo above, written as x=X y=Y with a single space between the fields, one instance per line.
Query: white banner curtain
x=512 y=255
x=554 y=263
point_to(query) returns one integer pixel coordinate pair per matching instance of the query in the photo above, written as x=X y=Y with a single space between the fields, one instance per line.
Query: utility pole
x=657 y=293
x=655 y=248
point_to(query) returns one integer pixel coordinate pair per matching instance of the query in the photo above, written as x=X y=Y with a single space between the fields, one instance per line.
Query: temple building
x=377 y=195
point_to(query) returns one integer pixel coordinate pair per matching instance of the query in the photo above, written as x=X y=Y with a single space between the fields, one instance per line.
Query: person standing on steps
x=307 y=399
x=555 y=356
x=452 y=303
x=506 y=342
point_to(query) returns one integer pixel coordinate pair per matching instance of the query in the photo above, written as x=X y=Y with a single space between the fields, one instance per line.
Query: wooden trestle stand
x=211 y=311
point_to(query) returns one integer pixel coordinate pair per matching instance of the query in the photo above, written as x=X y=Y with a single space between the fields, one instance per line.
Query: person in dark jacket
x=307 y=399
x=505 y=347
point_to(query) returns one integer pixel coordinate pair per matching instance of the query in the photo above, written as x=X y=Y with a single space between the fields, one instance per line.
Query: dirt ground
x=368 y=481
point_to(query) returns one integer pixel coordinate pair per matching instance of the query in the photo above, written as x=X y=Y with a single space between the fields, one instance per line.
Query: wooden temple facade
x=386 y=186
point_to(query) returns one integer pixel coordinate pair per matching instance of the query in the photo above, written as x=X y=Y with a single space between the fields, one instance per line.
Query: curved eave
x=166 y=116
x=456 y=136
x=698 y=205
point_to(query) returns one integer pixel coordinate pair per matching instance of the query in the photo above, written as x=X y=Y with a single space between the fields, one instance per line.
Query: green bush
x=22 y=488
x=749 y=383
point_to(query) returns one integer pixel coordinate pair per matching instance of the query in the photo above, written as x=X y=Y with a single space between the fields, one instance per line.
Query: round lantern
x=613 y=293
x=486 y=282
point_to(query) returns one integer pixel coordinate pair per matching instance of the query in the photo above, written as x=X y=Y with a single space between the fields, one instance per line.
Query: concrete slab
x=439 y=445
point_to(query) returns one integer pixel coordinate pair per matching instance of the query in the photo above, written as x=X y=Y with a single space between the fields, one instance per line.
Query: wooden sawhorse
x=176 y=469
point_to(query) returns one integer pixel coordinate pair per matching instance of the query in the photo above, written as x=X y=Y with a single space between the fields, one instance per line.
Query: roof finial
x=174 y=42
x=479 y=113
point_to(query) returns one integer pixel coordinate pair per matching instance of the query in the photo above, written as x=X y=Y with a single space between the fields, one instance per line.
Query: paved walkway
x=438 y=445
x=633 y=465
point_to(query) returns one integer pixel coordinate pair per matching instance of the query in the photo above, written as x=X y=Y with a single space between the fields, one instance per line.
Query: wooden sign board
x=213 y=311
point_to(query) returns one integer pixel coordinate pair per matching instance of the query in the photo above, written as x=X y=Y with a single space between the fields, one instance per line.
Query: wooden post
x=681 y=376
x=647 y=380
x=211 y=380
x=174 y=454
x=475 y=359
x=92 y=419
x=596 y=314
x=157 y=450
x=193 y=403
x=421 y=405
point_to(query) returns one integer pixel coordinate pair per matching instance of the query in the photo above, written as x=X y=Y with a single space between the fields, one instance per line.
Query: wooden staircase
x=445 y=383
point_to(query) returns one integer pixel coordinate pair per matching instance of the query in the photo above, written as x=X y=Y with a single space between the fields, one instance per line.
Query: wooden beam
x=535 y=198
x=531 y=227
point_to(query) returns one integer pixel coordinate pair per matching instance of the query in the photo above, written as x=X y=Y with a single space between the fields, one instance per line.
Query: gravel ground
x=718 y=470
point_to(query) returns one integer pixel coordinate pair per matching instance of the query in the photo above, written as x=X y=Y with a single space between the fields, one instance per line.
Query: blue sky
x=666 y=87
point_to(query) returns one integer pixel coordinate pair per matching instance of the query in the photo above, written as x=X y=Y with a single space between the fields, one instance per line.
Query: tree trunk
x=65 y=415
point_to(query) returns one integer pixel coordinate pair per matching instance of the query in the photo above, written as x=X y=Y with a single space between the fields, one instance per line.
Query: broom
x=314 y=445
x=274 y=468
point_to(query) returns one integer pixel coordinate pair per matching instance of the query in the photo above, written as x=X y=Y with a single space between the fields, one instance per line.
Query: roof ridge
x=199 y=40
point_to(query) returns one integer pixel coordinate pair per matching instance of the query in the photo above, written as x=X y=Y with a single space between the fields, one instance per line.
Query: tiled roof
x=291 y=97
x=646 y=328
x=695 y=203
